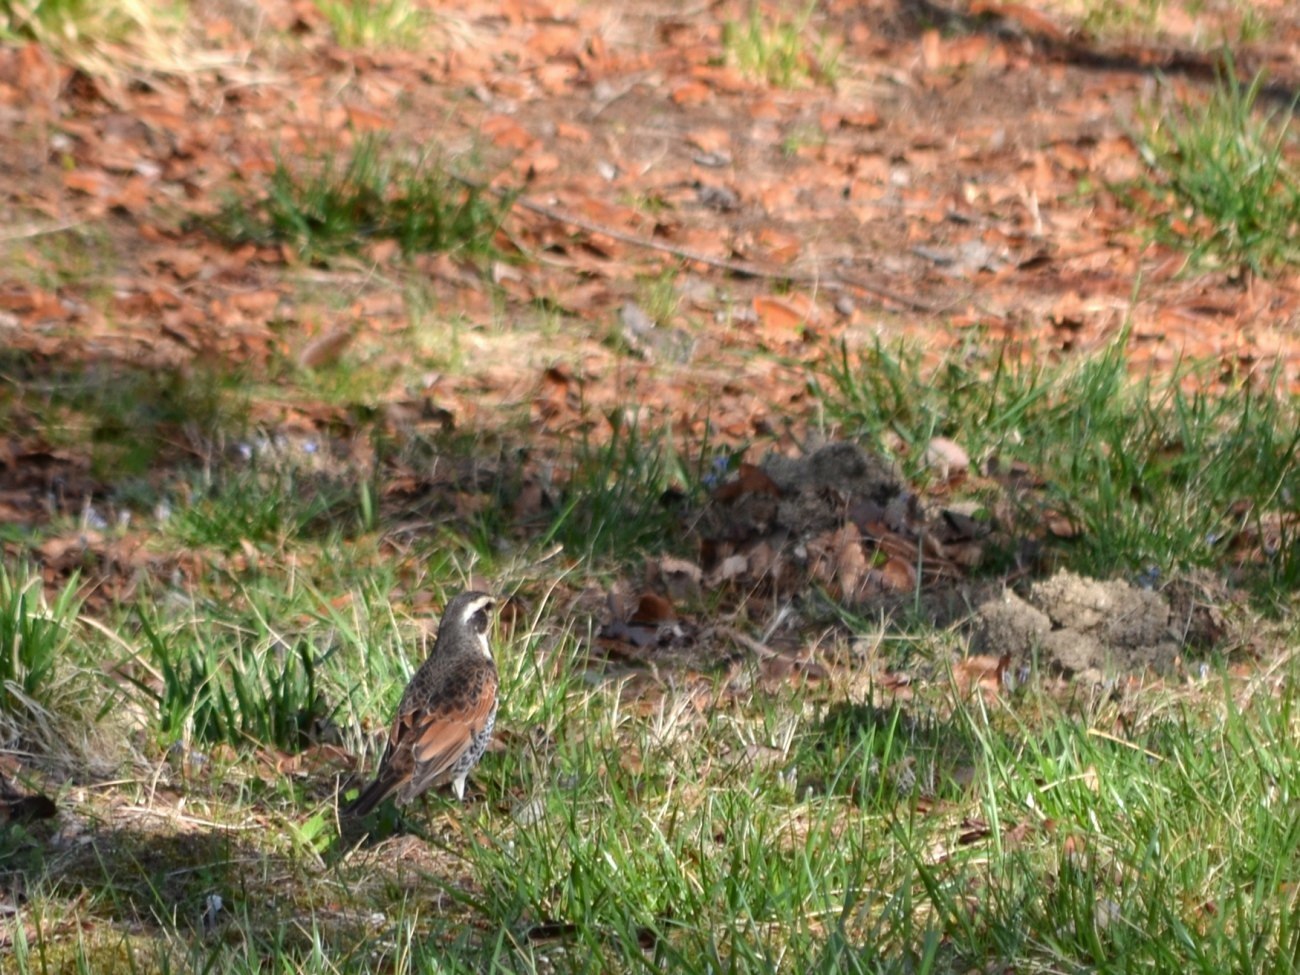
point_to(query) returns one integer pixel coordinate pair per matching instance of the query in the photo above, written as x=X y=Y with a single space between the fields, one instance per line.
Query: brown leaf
x=506 y=132
x=327 y=348
x=981 y=671
x=692 y=93
x=973 y=830
x=749 y=480
x=653 y=610
x=778 y=246
x=53 y=550
x=837 y=559
x=681 y=578
x=778 y=314
x=897 y=575
x=92 y=182
x=714 y=140
x=782 y=667
x=1062 y=525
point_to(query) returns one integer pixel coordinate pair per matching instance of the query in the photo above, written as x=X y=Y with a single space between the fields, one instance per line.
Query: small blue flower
x=718 y=470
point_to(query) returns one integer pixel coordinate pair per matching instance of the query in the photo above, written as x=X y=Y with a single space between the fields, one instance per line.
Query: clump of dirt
x=1082 y=628
x=795 y=497
x=814 y=488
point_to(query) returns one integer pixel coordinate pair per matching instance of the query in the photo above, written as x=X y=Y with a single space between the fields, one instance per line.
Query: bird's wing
x=442 y=732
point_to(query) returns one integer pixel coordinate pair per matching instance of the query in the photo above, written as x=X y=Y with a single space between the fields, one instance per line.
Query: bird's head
x=468 y=618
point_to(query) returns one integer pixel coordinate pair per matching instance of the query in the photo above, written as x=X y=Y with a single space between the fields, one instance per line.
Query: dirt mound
x=1081 y=627
x=844 y=520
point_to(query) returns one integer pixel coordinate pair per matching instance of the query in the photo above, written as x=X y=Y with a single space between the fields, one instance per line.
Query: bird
x=445 y=718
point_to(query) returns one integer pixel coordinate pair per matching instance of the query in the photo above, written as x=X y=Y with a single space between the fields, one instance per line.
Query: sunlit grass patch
x=776 y=46
x=272 y=508
x=34 y=634
x=1105 y=18
x=112 y=38
x=345 y=203
x=375 y=23
x=1224 y=177
x=1150 y=475
x=76 y=256
x=42 y=690
x=78 y=23
x=216 y=686
x=687 y=825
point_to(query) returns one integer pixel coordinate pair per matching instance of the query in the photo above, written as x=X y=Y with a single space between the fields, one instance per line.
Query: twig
x=761 y=650
x=30 y=230
x=744 y=268
x=190 y=820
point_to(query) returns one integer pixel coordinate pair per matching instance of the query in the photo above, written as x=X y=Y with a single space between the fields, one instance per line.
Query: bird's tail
x=371 y=796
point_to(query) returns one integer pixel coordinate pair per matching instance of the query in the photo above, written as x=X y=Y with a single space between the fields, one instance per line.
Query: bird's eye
x=480 y=621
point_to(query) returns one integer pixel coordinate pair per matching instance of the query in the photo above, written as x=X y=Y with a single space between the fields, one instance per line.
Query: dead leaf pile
x=840 y=518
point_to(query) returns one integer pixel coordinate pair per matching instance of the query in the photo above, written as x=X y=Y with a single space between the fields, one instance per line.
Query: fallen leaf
x=327 y=348
x=897 y=575
x=982 y=671
x=653 y=610
x=946 y=458
x=749 y=479
x=778 y=314
x=681 y=578
x=732 y=567
x=691 y=93
x=838 y=561
x=1062 y=525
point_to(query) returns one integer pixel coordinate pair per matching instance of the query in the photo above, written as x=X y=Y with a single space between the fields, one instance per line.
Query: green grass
x=767 y=832
x=63 y=19
x=101 y=37
x=623 y=496
x=1223 y=180
x=80 y=257
x=375 y=23
x=50 y=700
x=777 y=48
x=1109 y=17
x=216 y=683
x=34 y=634
x=271 y=508
x=1151 y=474
x=340 y=204
x=671 y=820
x=1254 y=26
x=196 y=702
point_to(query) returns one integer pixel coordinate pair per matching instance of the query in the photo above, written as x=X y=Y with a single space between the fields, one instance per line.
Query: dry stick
x=746 y=268
x=30 y=230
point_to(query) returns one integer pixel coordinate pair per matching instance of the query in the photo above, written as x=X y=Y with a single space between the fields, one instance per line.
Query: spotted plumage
x=445 y=717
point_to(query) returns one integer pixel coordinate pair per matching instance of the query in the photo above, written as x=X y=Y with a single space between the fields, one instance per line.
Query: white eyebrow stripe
x=473 y=606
